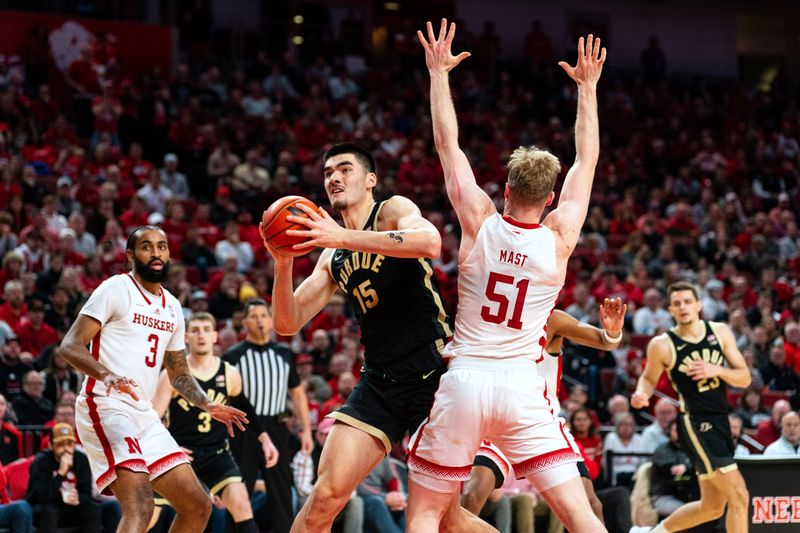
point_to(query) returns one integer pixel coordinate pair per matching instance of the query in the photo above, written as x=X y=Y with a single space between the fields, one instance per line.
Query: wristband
x=612 y=340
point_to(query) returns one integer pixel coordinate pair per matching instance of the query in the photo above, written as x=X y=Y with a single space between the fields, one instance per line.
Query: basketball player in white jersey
x=511 y=270
x=560 y=326
x=134 y=326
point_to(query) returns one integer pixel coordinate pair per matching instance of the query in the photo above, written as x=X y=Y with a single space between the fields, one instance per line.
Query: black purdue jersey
x=706 y=396
x=396 y=302
x=190 y=426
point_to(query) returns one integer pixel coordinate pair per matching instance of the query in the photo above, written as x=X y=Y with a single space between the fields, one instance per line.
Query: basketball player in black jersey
x=206 y=440
x=381 y=260
x=700 y=358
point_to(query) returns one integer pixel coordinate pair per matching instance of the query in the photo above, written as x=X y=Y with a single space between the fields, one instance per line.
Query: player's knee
x=712 y=508
x=739 y=496
x=240 y=508
x=328 y=495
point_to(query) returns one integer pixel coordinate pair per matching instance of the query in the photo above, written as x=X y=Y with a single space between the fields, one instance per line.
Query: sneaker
x=641 y=529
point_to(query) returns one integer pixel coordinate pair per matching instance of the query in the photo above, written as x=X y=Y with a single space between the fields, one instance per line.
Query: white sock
x=659 y=528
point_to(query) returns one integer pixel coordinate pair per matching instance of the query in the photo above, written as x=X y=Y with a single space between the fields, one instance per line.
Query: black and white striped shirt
x=268 y=372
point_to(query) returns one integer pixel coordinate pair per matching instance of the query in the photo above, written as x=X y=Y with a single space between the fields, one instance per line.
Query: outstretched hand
x=612 y=315
x=320 y=229
x=228 y=416
x=438 y=55
x=591 y=58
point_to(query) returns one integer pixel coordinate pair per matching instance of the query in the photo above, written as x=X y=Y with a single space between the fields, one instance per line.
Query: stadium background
x=697 y=176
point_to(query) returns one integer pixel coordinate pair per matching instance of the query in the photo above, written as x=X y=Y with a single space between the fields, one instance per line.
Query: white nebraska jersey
x=507 y=288
x=549 y=368
x=137 y=328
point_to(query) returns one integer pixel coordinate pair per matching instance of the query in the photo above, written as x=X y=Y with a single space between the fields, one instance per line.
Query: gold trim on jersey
x=681 y=403
x=713 y=325
x=195 y=374
x=363 y=426
x=674 y=353
x=692 y=341
x=698 y=448
x=377 y=214
x=442 y=316
x=224 y=483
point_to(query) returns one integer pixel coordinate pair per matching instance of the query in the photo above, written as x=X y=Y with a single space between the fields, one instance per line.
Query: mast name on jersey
x=515 y=258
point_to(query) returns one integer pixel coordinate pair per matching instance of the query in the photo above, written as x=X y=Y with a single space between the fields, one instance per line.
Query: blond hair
x=532 y=174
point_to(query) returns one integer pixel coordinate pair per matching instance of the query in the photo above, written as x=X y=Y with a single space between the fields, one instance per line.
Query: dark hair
x=131 y=245
x=363 y=156
x=592 y=427
x=681 y=286
x=201 y=316
x=746 y=392
x=253 y=302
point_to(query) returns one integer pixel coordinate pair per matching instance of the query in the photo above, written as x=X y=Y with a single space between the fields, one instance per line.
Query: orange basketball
x=274 y=225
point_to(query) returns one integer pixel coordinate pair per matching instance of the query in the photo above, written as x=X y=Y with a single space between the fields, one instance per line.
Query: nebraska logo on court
x=776 y=510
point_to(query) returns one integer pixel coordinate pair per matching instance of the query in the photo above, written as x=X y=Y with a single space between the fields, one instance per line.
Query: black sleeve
x=232 y=355
x=499 y=478
x=294 y=379
x=83 y=473
x=243 y=404
x=43 y=485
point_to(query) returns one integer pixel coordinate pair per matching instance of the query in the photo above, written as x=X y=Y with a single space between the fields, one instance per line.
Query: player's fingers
x=422 y=40
x=230 y=428
x=581 y=48
x=567 y=68
x=239 y=424
x=596 y=49
x=312 y=243
x=442 y=31
x=462 y=56
x=312 y=213
x=603 y=55
x=587 y=52
x=431 y=37
x=450 y=34
x=131 y=394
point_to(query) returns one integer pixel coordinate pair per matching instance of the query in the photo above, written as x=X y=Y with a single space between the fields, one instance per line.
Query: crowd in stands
x=696 y=181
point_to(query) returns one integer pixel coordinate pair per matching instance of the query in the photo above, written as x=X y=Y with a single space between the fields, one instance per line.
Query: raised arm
x=73 y=350
x=658 y=352
x=568 y=218
x=293 y=308
x=612 y=316
x=182 y=381
x=406 y=233
x=471 y=204
x=735 y=374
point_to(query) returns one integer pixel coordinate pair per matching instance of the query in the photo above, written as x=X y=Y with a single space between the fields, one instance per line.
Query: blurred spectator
x=59 y=378
x=65 y=204
x=316 y=386
x=673 y=480
x=222 y=161
x=653 y=62
x=321 y=349
x=13 y=367
x=32 y=408
x=173 y=180
x=17 y=516
x=736 y=424
x=497 y=511
x=788 y=445
x=714 y=307
x=768 y=431
x=657 y=433
x=250 y=175
x=537 y=48
x=60 y=487
x=384 y=499
x=621 y=441
x=791 y=345
x=651 y=319
x=11 y=443
x=85 y=242
x=777 y=374
x=232 y=246
x=750 y=410
x=345 y=385
x=583 y=305
x=55 y=221
x=586 y=433
x=33 y=332
x=155 y=194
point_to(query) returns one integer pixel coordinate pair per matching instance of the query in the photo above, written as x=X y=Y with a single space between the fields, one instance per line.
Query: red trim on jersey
x=166 y=463
x=545 y=461
x=558 y=376
x=146 y=299
x=552 y=412
x=502 y=463
x=523 y=225
x=96 y=355
x=451 y=473
x=109 y=475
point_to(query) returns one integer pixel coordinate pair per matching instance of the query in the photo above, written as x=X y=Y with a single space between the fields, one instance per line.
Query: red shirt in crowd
x=11 y=316
x=35 y=340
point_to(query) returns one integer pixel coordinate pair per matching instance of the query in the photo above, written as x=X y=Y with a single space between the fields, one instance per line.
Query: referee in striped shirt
x=269 y=377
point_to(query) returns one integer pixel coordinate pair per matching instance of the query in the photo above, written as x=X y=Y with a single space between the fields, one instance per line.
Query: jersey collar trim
x=523 y=225
x=146 y=299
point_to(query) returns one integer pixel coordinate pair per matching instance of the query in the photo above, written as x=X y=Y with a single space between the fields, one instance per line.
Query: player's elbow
x=432 y=247
x=283 y=326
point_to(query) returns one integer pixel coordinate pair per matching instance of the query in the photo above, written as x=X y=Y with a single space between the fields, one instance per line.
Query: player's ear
x=550 y=198
x=372 y=180
x=214 y=337
x=506 y=192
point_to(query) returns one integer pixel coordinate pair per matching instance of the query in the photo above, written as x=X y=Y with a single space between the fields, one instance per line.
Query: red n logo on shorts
x=133 y=445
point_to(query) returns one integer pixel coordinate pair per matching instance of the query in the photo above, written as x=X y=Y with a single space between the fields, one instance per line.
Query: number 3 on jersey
x=501 y=300
x=150 y=360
